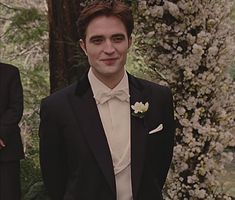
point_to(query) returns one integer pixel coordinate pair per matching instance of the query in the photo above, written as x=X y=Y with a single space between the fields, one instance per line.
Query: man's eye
x=97 y=41
x=118 y=39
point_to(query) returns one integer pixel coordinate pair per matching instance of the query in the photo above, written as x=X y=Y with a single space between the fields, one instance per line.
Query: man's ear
x=83 y=45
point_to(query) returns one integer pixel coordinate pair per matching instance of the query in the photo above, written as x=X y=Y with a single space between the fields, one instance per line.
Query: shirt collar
x=98 y=86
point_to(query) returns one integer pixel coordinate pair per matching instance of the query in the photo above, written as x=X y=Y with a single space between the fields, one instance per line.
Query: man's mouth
x=109 y=61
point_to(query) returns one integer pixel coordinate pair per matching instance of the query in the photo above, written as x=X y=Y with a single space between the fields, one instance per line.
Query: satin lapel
x=138 y=136
x=87 y=115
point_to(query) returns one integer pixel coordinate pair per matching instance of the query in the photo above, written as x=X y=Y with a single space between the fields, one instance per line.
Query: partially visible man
x=11 y=148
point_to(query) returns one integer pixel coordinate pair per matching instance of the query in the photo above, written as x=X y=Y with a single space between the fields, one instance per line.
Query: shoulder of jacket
x=59 y=95
x=149 y=84
x=8 y=67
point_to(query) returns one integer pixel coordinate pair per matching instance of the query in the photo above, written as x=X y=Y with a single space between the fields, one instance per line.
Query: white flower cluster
x=190 y=44
x=139 y=107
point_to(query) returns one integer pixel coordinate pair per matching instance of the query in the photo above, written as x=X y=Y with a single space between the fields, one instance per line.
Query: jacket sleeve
x=52 y=153
x=12 y=115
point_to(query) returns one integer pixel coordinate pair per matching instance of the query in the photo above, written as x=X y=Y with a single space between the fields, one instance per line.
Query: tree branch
x=7 y=6
x=5 y=19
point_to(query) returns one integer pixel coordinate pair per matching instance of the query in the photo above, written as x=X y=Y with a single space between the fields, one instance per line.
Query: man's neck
x=111 y=81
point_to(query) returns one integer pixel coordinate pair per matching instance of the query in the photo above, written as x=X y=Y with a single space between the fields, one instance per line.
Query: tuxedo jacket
x=75 y=157
x=11 y=110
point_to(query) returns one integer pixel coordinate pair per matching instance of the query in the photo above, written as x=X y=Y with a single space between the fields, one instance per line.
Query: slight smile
x=109 y=61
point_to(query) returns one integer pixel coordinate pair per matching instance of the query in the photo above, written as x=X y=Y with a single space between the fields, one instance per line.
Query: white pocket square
x=159 y=128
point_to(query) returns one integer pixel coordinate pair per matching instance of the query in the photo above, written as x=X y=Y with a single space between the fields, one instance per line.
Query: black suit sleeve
x=52 y=153
x=168 y=142
x=12 y=115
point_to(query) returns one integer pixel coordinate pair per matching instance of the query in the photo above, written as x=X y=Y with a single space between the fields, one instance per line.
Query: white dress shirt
x=115 y=117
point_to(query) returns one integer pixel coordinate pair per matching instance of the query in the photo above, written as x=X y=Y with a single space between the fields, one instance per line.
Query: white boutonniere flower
x=140 y=109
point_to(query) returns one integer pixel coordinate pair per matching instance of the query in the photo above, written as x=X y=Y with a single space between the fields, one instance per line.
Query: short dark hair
x=103 y=8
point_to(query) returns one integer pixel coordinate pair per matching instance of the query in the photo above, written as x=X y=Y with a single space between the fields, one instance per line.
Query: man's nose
x=108 y=47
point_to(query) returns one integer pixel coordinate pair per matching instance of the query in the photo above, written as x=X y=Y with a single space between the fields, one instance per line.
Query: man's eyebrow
x=101 y=36
x=118 y=35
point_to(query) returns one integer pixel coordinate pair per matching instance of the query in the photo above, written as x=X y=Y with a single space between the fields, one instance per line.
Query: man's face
x=106 y=45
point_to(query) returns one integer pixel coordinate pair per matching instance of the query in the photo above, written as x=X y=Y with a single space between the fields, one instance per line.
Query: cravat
x=121 y=94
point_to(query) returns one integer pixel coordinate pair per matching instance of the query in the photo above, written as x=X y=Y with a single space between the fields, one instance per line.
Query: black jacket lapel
x=138 y=134
x=87 y=115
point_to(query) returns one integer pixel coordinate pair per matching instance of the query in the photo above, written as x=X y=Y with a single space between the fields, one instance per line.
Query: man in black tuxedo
x=110 y=135
x=11 y=148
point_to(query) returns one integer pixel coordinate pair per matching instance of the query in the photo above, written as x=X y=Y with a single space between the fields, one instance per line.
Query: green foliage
x=35 y=81
x=37 y=192
x=36 y=86
x=130 y=2
x=26 y=25
x=137 y=68
x=232 y=72
x=30 y=172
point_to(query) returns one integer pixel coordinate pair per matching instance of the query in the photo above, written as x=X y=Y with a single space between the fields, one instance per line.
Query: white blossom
x=172 y=8
x=157 y=11
x=139 y=107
